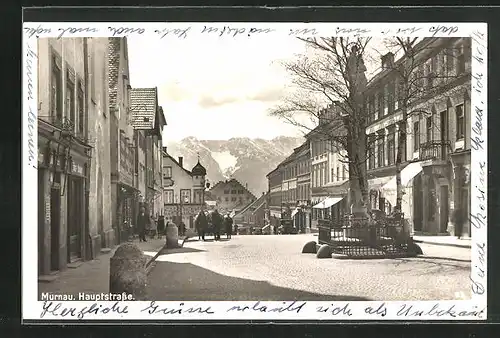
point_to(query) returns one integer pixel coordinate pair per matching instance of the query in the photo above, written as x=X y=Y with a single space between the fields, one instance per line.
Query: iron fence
x=364 y=236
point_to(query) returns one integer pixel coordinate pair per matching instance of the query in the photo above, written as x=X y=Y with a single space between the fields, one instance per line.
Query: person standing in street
x=228 y=223
x=201 y=224
x=182 y=228
x=458 y=221
x=217 y=224
x=142 y=221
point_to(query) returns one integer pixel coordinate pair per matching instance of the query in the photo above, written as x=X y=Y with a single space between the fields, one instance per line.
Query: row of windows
x=436 y=71
x=289 y=195
x=69 y=102
x=319 y=147
x=304 y=192
x=292 y=171
x=234 y=191
x=319 y=175
x=186 y=196
x=380 y=144
x=234 y=199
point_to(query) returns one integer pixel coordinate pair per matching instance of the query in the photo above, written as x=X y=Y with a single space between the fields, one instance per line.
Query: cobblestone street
x=273 y=268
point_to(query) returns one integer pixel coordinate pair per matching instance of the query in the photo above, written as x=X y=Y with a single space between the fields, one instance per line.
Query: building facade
x=274 y=199
x=329 y=172
x=252 y=216
x=72 y=94
x=231 y=195
x=303 y=215
x=124 y=185
x=183 y=190
x=148 y=121
x=436 y=160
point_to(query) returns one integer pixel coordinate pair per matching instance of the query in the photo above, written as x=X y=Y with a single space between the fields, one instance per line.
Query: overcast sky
x=216 y=88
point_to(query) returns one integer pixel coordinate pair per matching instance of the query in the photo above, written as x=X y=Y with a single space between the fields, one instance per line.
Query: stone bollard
x=172 y=236
x=127 y=272
x=325 y=251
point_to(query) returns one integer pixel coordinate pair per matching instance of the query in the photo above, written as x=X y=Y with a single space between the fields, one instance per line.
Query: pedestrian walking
x=142 y=221
x=228 y=224
x=458 y=221
x=217 y=224
x=152 y=227
x=236 y=229
x=201 y=225
x=182 y=229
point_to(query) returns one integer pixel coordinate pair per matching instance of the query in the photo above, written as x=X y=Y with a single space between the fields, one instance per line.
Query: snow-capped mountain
x=247 y=160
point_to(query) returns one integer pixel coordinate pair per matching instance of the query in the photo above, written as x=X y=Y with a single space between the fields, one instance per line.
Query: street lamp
x=205 y=183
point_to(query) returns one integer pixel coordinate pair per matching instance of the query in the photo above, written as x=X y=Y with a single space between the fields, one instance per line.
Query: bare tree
x=334 y=78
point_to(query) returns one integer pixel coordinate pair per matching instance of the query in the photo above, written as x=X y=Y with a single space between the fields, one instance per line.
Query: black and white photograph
x=211 y=163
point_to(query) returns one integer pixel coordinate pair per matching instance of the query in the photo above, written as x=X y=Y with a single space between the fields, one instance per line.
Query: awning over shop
x=378 y=183
x=407 y=174
x=328 y=202
x=275 y=214
x=295 y=211
x=317 y=199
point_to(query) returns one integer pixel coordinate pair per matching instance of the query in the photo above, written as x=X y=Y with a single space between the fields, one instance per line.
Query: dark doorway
x=444 y=209
x=41 y=221
x=100 y=208
x=55 y=222
x=465 y=206
x=417 y=203
x=74 y=219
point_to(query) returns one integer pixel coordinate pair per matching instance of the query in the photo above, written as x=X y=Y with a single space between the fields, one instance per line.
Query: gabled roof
x=253 y=206
x=165 y=154
x=232 y=180
x=143 y=106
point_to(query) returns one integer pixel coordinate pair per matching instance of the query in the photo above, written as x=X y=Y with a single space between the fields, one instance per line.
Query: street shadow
x=212 y=240
x=184 y=249
x=441 y=265
x=445 y=259
x=188 y=282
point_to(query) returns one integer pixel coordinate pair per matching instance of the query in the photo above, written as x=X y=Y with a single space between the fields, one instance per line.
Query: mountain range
x=245 y=159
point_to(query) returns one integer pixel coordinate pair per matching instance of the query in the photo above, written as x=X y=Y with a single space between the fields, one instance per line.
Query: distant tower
x=198 y=175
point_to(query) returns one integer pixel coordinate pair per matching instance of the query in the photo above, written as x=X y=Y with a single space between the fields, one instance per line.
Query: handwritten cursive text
x=153 y=308
x=58 y=310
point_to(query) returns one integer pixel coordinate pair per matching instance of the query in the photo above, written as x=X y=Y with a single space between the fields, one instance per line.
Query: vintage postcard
x=254 y=171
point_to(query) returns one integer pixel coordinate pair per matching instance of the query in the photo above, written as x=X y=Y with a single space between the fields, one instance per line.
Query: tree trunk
x=358 y=182
x=399 y=160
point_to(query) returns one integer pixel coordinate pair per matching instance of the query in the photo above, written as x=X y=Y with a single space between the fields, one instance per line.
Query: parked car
x=287 y=227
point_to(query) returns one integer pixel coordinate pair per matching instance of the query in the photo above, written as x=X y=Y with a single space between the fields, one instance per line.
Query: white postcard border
x=475 y=309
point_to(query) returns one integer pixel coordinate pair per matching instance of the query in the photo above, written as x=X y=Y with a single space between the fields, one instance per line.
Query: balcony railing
x=434 y=150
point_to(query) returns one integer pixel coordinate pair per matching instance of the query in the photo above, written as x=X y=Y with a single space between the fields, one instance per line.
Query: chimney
x=387 y=60
x=246 y=186
x=181 y=161
x=165 y=149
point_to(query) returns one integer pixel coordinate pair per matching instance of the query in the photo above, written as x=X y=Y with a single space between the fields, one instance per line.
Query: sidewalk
x=444 y=240
x=92 y=276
